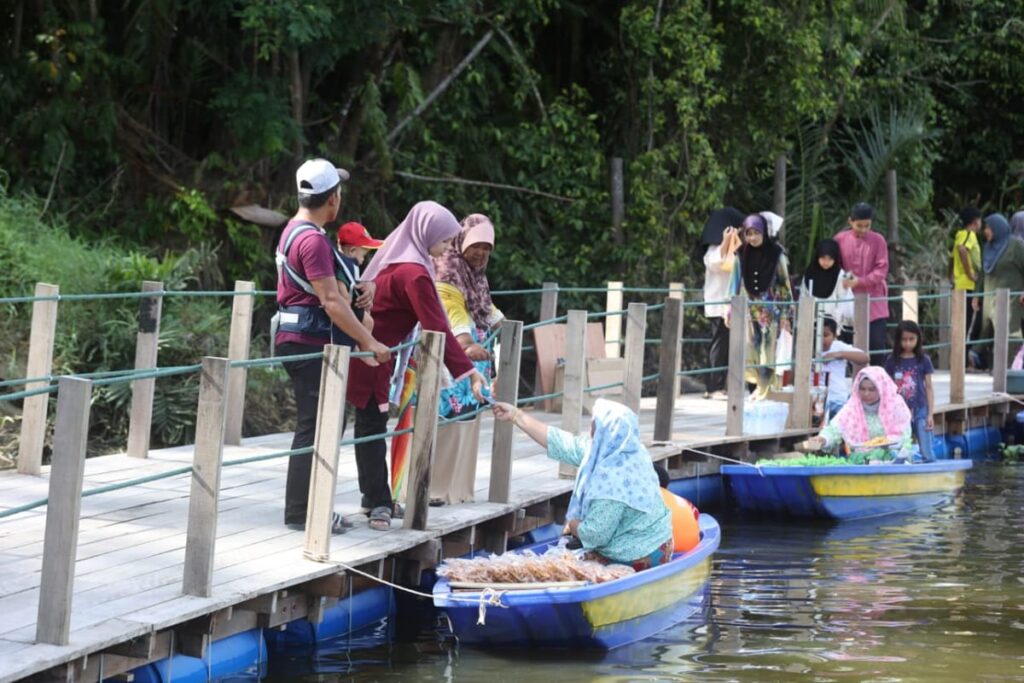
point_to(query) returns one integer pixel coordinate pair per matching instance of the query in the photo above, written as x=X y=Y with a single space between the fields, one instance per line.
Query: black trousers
x=372 y=456
x=305 y=377
x=718 y=354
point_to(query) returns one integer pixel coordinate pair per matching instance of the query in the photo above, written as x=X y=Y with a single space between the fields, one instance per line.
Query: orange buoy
x=685 y=529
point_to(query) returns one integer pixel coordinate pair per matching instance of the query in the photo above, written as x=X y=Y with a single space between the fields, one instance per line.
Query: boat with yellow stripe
x=844 y=491
x=599 y=616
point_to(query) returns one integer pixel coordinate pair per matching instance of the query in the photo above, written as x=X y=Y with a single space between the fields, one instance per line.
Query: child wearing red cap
x=354 y=243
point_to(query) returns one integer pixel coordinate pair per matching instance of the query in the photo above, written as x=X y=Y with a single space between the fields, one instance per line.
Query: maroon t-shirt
x=405 y=296
x=311 y=257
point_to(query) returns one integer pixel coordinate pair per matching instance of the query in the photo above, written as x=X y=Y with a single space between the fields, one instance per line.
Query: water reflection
x=936 y=596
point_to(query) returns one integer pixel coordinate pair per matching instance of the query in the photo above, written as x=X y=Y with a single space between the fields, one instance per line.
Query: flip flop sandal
x=380 y=518
x=397 y=511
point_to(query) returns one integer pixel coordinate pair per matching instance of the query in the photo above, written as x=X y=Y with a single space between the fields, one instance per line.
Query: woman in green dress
x=1003 y=262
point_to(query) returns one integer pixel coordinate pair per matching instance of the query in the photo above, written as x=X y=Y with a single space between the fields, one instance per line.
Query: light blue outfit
x=616 y=495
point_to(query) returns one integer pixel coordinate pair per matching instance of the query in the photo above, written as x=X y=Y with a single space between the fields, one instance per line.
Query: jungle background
x=129 y=129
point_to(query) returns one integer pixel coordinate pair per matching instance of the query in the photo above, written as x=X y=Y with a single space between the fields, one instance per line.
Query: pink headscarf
x=426 y=224
x=453 y=269
x=892 y=409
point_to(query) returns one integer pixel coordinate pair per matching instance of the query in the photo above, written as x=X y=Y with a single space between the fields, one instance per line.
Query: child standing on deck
x=911 y=369
x=837 y=356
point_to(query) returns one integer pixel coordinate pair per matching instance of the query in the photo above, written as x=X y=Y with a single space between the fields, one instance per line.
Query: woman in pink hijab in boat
x=403 y=272
x=875 y=411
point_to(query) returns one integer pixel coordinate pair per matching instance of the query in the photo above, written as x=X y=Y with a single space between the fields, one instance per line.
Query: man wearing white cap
x=309 y=301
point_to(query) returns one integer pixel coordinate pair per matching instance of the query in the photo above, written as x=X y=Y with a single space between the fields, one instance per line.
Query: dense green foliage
x=137 y=125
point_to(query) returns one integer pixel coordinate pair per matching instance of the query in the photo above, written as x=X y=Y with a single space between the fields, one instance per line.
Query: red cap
x=355 y=235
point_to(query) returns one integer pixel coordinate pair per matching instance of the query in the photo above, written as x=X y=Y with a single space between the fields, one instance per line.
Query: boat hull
x=597 y=617
x=844 y=491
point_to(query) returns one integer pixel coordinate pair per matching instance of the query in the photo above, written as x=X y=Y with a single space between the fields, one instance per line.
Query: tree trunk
x=296 y=90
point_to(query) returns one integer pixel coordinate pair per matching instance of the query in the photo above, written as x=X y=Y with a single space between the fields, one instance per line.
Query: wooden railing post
x=507 y=391
x=633 y=378
x=548 y=310
x=910 y=306
x=146 y=345
x=676 y=290
x=779 y=191
x=957 y=347
x=800 y=411
x=238 y=349
x=330 y=420
x=572 y=396
x=63 y=510
x=1001 y=344
x=424 y=436
x=613 y=323
x=668 y=367
x=201 y=536
x=736 y=377
x=40 y=363
x=862 y=322
x=944 y=303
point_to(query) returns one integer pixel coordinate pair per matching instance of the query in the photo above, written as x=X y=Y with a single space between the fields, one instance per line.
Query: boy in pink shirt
x=866 y=254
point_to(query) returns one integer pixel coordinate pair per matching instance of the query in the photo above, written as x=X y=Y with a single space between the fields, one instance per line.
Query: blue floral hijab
x=617 y=467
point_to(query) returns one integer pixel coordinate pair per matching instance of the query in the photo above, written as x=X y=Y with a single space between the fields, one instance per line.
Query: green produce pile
x=819 y=460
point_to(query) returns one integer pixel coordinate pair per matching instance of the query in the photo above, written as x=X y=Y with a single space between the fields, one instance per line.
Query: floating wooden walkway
x=128 y=604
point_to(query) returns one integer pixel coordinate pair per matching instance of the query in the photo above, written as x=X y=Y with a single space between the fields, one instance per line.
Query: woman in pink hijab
x=874 y=410
x=466 y=296
x=403 y=272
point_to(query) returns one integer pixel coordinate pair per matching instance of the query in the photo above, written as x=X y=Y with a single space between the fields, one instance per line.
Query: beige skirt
x=453 y=472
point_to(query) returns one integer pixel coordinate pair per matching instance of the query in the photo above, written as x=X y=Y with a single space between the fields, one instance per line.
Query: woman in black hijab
x=763 y=275
x=826 y=281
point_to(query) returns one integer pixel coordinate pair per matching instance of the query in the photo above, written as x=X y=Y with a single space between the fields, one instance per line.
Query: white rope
x=492 y=597
x=723 y=458
x=1003 y=394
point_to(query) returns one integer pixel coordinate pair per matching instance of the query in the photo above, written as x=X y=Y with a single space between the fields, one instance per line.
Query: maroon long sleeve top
x=405 y=296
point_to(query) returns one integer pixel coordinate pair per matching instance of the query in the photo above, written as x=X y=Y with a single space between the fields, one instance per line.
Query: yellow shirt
x=458 y=315
x=968 y=239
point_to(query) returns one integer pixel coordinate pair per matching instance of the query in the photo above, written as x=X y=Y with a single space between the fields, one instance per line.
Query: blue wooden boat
x=844 y=491
x=594 y=616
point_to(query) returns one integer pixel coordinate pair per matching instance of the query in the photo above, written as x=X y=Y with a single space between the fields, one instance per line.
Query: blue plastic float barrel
x=226 y=657
x=367 y=607
x=940 y=447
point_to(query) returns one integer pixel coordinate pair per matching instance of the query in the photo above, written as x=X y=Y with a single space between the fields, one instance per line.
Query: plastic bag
x=783 y=350
x=555 y=565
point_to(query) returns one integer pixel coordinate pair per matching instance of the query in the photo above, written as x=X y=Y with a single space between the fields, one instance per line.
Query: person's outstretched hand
x=478 y=382
x=381 y=354
x=504 y=412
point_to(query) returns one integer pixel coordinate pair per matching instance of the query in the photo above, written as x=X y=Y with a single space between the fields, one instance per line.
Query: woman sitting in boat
x=875 y=414
x=616 y=509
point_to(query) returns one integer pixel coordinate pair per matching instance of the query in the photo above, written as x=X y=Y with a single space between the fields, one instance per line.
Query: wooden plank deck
x=130 y=557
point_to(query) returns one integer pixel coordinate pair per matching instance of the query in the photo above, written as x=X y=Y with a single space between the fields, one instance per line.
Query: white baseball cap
x=317 y=176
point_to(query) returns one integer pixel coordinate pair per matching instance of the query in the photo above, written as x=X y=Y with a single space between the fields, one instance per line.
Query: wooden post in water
x=633 y=378
x=613 y=323
x=668 y=367
x=146 y=343
x=910 y=305
x=1001 y=344
x=572 y=397
x=330 y=420
x=779 y=192
x=60 y=544
x=40 y=363
x=201 y=537
x=800 y=410
x=735 y=382
x=511 y=341
x=944 y=303
x=424 y=436
x=957 y=347
x=238 y=349
x=548 y=310
x=862 y=322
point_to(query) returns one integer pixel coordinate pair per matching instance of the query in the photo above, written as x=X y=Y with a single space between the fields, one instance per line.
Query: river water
x=936 y=596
